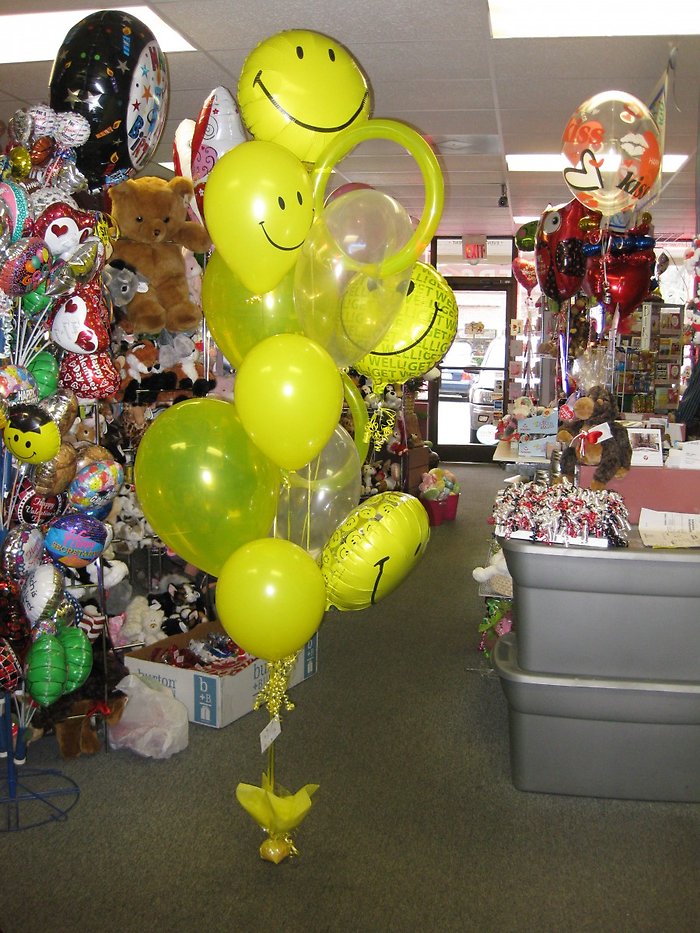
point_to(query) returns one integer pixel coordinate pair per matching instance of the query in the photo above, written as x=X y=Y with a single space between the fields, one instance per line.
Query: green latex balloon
x=239 y=319
x=44 y=368
x=202 y=484
x=45 y=675
x=78 y=652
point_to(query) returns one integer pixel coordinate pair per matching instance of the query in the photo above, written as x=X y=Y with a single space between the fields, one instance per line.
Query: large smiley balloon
x=268 y=191
x=420 y=335
x=300 y=89
x=374 y=550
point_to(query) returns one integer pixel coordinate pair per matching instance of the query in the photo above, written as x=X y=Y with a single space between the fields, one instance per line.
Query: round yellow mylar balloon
x=300 y=89
x=420 y=335
x=374 y=550
x=289 y=395
x=258 y=209
x=270 y=598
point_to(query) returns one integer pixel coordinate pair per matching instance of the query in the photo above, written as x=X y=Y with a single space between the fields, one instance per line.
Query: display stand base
x=36 y=799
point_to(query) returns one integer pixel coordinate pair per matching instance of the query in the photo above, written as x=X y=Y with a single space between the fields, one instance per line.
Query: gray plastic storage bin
x=613 y=612
x=600 y=737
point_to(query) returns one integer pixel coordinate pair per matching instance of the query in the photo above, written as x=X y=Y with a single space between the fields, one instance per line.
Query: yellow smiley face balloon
x=258 y=208
x=420 y=335
x=374 y=550
x=31 y=435
x=300 y=89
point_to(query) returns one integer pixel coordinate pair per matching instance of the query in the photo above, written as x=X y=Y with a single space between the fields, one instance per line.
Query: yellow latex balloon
x=202 y=484
x=374 y=550
x=270 y=597
x=420 y=334
x=237 y=318
x=300 y=89
x=433 y=182
x=289 y=395
x=258 y=209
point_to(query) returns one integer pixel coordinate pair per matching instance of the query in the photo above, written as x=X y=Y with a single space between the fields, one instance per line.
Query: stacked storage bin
x=602 y=674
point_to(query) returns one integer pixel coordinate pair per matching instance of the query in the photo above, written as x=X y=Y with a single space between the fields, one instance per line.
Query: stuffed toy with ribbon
x=595 y=437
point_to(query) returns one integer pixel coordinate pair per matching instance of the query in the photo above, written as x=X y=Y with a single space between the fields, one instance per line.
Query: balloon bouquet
x=55 y=355
x=594 y=244
x=298 y=289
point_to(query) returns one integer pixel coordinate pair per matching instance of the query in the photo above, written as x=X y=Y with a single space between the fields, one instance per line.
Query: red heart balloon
x=525 y=273
x=620 y=282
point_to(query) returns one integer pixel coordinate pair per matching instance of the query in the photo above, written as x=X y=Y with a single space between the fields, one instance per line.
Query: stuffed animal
x=144 y=620
x=496 y=567
x=151 y=214
x=142 y=375
x=77 y=734
x=122 y=282
x=595 y=438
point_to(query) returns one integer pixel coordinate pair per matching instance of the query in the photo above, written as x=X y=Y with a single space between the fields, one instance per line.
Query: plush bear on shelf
x=595 y=438
x=151 y=214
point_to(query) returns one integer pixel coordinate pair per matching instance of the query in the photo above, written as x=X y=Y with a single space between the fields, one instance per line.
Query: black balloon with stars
x=111 y=70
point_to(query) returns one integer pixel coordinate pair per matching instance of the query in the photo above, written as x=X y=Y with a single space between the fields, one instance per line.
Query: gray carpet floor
x=416 y=825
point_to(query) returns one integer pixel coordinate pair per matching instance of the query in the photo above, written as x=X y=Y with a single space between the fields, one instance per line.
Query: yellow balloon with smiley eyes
x=300 y=89
x=374 y=550
x=258 y=208
x=31 y=435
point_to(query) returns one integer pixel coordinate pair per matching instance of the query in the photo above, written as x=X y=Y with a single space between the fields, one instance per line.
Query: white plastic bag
x=154 y=724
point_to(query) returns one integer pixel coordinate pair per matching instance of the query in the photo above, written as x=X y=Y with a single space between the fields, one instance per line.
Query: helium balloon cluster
x=298 y=288
x=612 y=148
x=55 y=500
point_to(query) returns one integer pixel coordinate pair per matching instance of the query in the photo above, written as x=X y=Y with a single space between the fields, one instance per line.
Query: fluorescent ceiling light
x=34 y=37
x=170 y=166
x=514 y=19
x=555 y=162
x=525 y=219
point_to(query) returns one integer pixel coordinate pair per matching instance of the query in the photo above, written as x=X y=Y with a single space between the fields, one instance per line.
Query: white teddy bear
x=497 y=567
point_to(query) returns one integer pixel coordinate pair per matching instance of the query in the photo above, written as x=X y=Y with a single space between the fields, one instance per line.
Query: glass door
x=470 y=395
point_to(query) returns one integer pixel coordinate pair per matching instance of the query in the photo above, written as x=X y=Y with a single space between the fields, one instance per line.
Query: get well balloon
x=374 y=550
x=270 y=598
x=218 y=491
x=420 y=335
x=612 y=145
x=238 y=318
x=111 y=70
x=300 y=89
x=289 y=395
x=268 y=192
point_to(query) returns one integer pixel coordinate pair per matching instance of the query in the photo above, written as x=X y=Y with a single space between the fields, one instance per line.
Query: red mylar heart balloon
x=524 y=273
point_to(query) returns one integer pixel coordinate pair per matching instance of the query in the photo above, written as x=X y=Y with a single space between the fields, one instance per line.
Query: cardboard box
x=537 y=446
x=417 y=460
x=540 y=424
x=214 y=699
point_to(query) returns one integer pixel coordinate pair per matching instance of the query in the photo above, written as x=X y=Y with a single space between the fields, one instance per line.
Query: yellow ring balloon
x=358 y=410
x=433 y=182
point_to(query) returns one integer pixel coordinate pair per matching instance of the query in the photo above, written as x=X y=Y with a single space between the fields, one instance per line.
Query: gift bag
x=154 y=724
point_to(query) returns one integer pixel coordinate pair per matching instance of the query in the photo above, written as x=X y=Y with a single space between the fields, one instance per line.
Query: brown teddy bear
x=595 y=438
x=151 y=214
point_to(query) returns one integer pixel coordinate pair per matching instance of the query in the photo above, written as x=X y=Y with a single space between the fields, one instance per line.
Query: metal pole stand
x=28 y=801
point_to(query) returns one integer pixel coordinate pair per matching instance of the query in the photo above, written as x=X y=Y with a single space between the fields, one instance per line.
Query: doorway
x=467 y=400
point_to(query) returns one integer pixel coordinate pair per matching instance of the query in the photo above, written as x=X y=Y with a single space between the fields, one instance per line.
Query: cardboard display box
x=417 y=460
x=214 y=699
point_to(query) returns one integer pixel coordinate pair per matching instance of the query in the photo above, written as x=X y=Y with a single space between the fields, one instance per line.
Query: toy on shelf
x=595 y=438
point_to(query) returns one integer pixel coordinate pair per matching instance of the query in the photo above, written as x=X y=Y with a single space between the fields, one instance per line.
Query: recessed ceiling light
x=37 y=37
x=555 y=162
x=513 y=19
